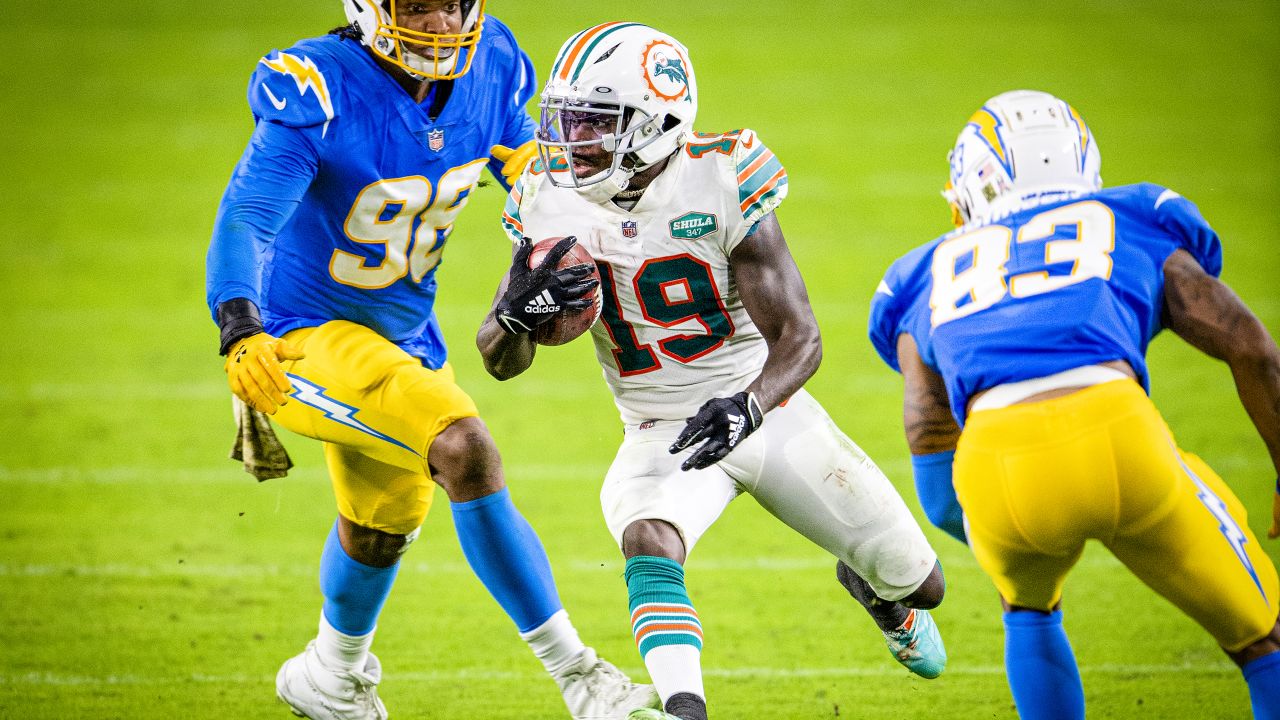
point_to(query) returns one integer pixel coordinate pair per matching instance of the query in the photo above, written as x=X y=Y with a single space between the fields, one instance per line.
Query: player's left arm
x=1207 y=314
x=774 y=295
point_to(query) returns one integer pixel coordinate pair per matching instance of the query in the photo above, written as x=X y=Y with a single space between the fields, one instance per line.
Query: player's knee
x=465 y=462
x=929 y=594
x=1266 y=645
x=656 y=538
x=371 y=547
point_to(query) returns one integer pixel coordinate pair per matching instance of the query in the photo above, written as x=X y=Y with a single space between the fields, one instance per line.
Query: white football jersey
x=673 y=332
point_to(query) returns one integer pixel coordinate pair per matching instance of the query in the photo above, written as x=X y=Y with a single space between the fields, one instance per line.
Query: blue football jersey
x=1050 y=288
x=343 y=201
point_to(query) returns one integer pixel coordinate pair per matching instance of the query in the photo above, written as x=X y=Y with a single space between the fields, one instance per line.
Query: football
x=569 y=324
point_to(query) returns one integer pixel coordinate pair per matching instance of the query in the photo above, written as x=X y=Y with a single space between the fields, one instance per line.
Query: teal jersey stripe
x=582 y=61
x=750 y=159
x=511 y=231
x=757 y=180
x=760 y=201
x=510 y=213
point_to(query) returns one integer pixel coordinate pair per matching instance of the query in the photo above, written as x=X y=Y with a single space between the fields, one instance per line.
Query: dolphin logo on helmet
x=636 y=77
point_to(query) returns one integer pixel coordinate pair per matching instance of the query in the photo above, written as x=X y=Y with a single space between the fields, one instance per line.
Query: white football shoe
x=593 y=689
x=313 y=691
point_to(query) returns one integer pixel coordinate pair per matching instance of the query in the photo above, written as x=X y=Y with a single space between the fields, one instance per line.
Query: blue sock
x=1041 y=667
x=507 y=556
x=1263 y=676
x=353 y=592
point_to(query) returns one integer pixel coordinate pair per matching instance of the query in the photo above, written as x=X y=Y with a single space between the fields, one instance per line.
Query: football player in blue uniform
x=1021 y=339
x=321 y=277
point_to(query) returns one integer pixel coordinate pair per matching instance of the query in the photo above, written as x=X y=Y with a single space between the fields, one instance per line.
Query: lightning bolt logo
x=1084 y=135
x=312 y=395
x=1226 y=524
x=987 y=126
x=306 y=76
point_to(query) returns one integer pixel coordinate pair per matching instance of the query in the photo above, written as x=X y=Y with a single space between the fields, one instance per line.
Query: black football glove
x=534 y=295
x=723 y=423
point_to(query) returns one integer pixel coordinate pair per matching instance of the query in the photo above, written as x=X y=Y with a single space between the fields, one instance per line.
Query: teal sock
x=666 y=627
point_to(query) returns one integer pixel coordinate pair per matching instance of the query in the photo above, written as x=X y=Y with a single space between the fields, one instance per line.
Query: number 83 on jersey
x=969 y=270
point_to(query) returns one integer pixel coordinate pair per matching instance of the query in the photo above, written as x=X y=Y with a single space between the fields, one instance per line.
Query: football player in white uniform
x=706 y=338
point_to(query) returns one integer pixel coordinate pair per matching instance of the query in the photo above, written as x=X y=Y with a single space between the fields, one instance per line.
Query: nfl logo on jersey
x=435 y=140
x=629 y=228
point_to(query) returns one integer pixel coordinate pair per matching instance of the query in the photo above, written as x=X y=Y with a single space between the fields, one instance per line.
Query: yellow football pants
x=1037 y=480
x=377 y=410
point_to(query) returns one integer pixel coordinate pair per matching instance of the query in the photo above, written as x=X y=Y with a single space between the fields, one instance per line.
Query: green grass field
x=143 y=575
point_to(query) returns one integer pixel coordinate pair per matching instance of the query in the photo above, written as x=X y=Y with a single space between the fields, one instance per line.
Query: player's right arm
x=504 y=339
x=266 y=187
x=505 y=354
x=931 y=429
x=926 y=410
x=1207 y=314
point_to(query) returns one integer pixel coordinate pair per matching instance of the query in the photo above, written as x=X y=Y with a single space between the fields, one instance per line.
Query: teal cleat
x=917 y=645
x=650 y=714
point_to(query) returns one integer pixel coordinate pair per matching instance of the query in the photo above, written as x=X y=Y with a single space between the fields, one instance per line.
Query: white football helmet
x=640 y=80
x=1022 y=148
x=433 y=56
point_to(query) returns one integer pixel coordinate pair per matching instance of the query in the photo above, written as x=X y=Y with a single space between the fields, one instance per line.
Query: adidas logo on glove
x=542 y=304
x=737 y=423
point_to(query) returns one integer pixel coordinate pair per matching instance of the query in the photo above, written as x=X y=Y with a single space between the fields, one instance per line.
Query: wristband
x=937 y=493
x=754 y=414
x=238 y=319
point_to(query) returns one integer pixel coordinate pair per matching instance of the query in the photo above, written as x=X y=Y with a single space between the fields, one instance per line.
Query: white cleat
x=593 y=689
x=313 y=691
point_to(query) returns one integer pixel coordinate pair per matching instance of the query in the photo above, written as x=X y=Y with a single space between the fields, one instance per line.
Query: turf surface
x=142 y=575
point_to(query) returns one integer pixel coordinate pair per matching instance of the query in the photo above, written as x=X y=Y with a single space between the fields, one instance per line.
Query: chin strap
x=608 y=188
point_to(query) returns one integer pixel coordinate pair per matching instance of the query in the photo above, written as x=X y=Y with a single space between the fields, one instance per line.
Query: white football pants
x=801 y=468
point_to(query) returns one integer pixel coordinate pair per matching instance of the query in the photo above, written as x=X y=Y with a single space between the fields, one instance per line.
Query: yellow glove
x=254 y=372
x=514 y=160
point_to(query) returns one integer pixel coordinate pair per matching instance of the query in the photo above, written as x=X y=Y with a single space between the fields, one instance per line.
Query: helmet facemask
x=428 y=56
x=618 y=130
x=636 y=85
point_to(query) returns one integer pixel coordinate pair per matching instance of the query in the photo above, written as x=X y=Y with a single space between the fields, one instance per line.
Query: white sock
x=675 y=669
x=555 y=642
x=339 y=651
